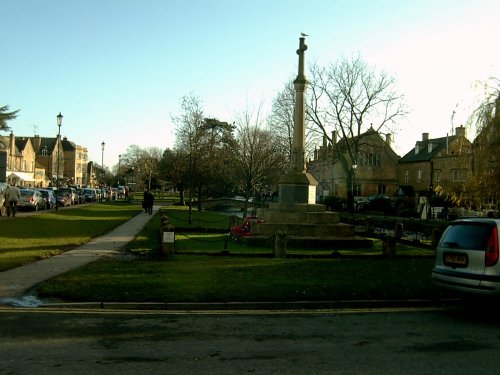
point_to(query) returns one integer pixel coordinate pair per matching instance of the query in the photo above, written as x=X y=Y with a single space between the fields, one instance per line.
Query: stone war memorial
x=296 y=217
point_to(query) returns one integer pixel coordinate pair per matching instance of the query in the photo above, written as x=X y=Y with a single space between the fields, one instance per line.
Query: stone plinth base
x=297 y=187
x=302 y=220
x=289 y=213
x=312 y=243
x=305 y=230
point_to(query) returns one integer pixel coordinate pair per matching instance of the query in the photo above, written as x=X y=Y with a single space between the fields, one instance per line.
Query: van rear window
x=470 y=236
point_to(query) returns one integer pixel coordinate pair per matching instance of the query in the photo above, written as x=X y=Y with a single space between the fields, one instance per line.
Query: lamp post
x=102 y=165
x=119 y=162
x=102 y=161
x=59 y=123
x=354 y=167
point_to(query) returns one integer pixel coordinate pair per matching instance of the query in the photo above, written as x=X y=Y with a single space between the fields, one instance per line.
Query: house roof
x=68 y=145
x=49 y=143
x=423 y=154
x=365 y=137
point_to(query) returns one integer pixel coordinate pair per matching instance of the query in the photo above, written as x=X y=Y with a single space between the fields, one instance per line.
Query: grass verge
x=185 y=278
x=209 y=278
x=31 y=238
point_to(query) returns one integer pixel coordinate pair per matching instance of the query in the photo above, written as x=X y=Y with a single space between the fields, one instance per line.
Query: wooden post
x=279 y=249
x=398 y=231
x=369 y=225
x=389 y=247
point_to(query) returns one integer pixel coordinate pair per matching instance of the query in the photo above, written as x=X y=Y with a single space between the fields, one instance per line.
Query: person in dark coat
x=149 y=200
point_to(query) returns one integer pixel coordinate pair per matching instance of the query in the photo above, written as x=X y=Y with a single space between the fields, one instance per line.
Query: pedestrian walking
x=148 y=201
x=12 y=196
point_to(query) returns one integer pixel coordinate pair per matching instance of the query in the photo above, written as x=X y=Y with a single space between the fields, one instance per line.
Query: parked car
x=71 y=192
x=63 y=197
x=50 y=198
x=378 y=203
x=79 y=196
x=467 y=257
x=90 y=194
x=31 y=199
x=3 y=186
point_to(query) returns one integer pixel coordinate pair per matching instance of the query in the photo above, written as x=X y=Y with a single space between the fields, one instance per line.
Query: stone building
x=375 y=170
x=20 y=160
x=444 y=162
x=33 y=161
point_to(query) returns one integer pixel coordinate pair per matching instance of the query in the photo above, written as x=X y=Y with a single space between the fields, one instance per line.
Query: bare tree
x=345 y=100
x=280 y=120
x=144 y=162
x=208 y=144
x=174 y=169
x=148 y=169
x=260 y=159
x=189 y=134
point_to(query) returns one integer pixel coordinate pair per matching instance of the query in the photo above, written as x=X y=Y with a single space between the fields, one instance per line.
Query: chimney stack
x=388 y=139
x=425 y=137
x=460 y=131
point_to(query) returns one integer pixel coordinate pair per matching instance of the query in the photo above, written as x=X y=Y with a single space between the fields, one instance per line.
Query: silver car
x=31 y=199
x=467 y=257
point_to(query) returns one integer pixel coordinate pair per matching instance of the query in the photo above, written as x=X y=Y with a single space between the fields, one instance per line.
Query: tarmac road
x=394 y=341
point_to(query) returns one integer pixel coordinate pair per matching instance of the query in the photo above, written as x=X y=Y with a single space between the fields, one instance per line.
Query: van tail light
x=492 y=248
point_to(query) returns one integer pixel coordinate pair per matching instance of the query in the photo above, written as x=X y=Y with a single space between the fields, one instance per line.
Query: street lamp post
x=102 y=166
x=102 y=161
x=59 y=123
x=354 y=167
x=119 y=162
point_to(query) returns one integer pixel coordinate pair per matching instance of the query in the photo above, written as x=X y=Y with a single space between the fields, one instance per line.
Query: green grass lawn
x=191 y=277
x=27 y=239
x=184 y=278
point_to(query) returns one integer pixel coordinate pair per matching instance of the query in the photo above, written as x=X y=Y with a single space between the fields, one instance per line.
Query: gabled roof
x=49 y=143
x=423 y=154
x=371 y=132
x=68 y=145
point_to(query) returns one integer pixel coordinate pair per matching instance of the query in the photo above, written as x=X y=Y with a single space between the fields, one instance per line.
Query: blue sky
x=117 y=69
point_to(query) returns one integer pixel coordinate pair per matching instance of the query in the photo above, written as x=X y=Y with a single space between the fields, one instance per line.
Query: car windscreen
x=470 y=236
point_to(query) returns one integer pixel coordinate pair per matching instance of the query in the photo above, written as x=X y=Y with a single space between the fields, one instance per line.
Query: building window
x=419 y=175
x=459 y=175
x=407 y=177
x=437 y=175
x=382 y=189
x=357 y=190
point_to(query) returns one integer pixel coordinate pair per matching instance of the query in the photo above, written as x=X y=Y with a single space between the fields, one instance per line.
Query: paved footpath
x=16 y=282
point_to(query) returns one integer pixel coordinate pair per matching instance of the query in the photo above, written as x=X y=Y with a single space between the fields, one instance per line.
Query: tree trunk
x=350 y=190
x=181 y=197
x=199 y=199
x=190 y=206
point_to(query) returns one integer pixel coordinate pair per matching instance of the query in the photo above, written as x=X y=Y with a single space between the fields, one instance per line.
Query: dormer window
x=429 y=147
x=417 y=149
